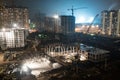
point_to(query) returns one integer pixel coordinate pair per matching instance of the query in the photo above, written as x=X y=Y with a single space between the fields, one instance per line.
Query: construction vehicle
x=92 y=23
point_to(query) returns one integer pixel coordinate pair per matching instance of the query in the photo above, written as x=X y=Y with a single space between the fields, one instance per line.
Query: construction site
x=58 y=55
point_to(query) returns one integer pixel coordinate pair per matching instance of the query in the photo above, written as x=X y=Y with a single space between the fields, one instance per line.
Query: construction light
x=56 y=16
x=14 y=25
x=82 y=58
x=3 y=29
x=25 y=68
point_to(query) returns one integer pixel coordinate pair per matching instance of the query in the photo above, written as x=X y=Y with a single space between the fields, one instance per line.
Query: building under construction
x=12 y=38
x=14 y=23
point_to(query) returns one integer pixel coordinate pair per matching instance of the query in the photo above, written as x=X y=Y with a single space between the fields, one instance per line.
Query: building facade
x=93 y=54
x=11 y=17
x=14 y=27
x=111 y=22
x=12 y=38
x=67 y=24
x=58 y=24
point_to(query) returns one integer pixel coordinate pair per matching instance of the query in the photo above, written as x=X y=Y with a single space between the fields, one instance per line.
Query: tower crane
x=72 y=9
x=92 y=23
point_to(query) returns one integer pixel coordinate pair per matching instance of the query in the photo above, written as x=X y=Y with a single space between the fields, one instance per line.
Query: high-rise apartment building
x=11 y=17
x=67 y=24
x=52 y=24
x=111 y=22
x=14 y=25
x=49 y=24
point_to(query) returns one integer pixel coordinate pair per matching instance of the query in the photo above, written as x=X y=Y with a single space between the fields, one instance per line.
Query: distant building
x=93 y=54
x=11 y=17
x=111 y=22
x=39 y=21
x=67 y=24
x=49 y=24
x=57 y=24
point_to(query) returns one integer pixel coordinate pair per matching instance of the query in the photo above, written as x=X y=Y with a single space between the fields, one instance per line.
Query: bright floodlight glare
x=3 y=29
x=36 y=65
x=14 y=25
x=56 y=16
x=82 y=58
x=81 y=20
x=25 y=68
x=92 y=34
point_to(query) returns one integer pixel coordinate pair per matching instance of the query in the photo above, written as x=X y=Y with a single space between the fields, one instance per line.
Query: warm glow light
x=92 y=26
x=77 y=29
x=82 y=58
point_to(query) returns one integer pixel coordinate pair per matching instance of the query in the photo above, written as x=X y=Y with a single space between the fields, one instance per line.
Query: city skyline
x=60 y=7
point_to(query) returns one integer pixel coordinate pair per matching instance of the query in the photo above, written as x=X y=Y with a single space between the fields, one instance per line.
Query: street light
x=3 y=29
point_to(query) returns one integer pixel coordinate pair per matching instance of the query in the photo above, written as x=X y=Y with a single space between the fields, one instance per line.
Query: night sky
x=51 y=7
